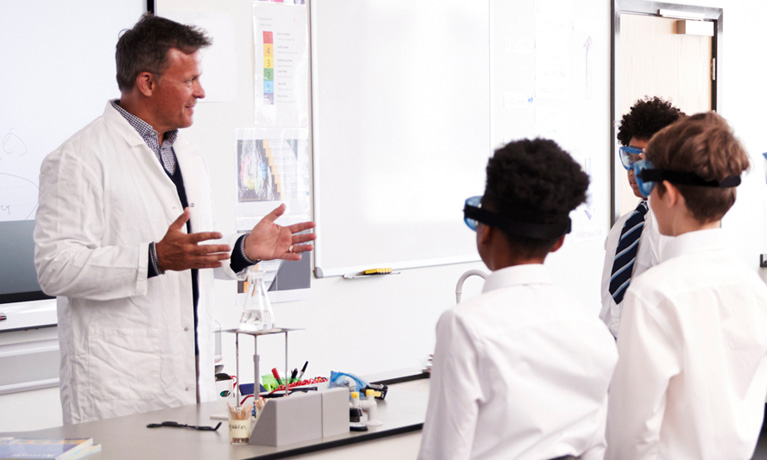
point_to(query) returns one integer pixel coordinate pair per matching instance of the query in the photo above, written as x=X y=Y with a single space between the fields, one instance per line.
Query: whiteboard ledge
x=353 y=276
x=319 y=272
x=29 y=386
x=29 y=315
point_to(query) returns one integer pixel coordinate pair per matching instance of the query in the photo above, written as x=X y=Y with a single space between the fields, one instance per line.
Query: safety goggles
x=630 y=155
x=647 y=176
x=473 y=215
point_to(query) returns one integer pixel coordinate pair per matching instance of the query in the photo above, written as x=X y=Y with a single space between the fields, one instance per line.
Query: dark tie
x=623 y=265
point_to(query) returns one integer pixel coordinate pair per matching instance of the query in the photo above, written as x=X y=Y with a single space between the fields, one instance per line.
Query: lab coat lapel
x=165 y=189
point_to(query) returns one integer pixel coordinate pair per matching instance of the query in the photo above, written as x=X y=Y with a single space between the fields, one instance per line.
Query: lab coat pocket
x=124 y=363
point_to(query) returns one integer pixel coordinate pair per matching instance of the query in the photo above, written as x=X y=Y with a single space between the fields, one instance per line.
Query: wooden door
x=656 y=60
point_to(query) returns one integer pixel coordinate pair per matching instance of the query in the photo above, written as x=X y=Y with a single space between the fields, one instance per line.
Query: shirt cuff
x=239 y=260
x=153 y=268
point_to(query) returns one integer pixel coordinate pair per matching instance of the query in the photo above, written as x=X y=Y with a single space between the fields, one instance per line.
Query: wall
x=374 y=325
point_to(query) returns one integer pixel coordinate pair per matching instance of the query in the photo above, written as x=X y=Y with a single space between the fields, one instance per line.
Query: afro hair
x=534 y=181
x=645 y=118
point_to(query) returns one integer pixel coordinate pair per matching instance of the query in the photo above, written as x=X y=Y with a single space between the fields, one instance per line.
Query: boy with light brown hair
x=692 y=369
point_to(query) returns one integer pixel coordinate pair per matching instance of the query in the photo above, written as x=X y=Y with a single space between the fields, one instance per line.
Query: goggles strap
x=518 y=228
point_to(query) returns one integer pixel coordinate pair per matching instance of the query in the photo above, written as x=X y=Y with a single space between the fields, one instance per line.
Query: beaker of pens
x=240 y=423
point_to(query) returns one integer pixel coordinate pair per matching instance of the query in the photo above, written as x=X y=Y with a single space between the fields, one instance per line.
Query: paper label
x=239 y=428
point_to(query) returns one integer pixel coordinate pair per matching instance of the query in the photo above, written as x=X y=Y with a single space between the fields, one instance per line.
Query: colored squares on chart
x=268 y=68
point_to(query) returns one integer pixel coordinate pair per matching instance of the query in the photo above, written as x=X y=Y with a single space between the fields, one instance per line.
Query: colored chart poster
x=272 y=168
x=281 y=37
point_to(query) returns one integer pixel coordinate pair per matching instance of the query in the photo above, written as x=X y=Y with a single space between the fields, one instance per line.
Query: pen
x=293 y=376
x=303 y=369
x=277 y=376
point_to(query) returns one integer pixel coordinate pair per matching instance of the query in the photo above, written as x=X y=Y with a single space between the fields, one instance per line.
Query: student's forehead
x=639 y=143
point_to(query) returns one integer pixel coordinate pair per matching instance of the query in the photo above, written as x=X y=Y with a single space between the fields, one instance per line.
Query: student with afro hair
x=633 y=243
x=520 y=371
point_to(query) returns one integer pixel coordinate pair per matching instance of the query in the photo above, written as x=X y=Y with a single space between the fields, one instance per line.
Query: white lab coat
x=127 y=342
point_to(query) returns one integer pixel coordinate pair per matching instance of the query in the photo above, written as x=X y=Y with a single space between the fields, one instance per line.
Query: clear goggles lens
x=629 y=156
x=645 y=187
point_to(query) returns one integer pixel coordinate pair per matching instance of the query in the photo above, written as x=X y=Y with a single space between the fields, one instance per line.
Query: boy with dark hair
x=520 y=371
x=692 y=373
x=633 y=243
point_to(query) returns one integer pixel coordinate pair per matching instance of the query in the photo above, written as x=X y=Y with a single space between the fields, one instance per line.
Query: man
x=633 y=243
x=520 y=372
x=124 y=210
x=692 y=373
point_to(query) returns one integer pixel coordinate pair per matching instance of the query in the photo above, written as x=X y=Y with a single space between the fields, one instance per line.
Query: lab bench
x=402 y=411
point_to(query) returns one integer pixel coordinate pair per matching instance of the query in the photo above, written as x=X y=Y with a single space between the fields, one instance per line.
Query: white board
x=58 y=71
x=401 y=130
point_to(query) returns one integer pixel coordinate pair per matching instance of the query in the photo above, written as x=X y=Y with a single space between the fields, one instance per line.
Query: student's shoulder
x=498 y=308
x=658 y=279
x=571 y=318
x=469 y=308
x=740 y=273
x=457 y=318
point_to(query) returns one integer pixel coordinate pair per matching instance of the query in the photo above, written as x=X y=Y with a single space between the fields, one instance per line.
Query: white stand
x=256 y=374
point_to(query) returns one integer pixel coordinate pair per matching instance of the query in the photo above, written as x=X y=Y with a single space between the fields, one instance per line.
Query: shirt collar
x=517 y=275
x=693 y=242
x=144 y=129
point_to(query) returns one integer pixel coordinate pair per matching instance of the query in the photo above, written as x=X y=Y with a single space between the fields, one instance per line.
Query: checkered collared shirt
x=163 y=152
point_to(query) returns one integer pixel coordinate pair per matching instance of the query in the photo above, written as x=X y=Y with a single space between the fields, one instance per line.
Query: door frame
x=651 y=8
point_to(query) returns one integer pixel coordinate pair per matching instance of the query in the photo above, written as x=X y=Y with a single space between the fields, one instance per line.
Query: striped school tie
x=623 y=265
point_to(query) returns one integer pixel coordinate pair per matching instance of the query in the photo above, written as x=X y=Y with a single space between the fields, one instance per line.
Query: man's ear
x=558 y=244
x=146 y=83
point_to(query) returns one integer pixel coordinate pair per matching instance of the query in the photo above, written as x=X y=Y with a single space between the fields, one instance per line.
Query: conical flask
x=257 y=312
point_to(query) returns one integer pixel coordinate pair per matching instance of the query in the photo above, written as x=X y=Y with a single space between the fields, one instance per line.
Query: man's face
x=640 y=144
x=177 y=91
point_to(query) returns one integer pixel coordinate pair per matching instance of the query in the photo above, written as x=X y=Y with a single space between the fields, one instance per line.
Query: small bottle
x=257 y=312
x=370 y=406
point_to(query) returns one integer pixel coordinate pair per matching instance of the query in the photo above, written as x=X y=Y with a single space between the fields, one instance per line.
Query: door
x=669 y=56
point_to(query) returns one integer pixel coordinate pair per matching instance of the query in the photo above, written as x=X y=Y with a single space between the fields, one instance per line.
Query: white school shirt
x=519 y=372
x=648 y=255
x=692 y=374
